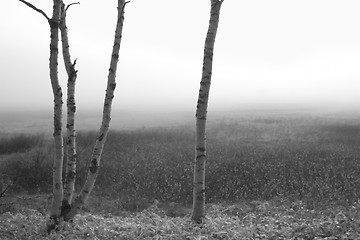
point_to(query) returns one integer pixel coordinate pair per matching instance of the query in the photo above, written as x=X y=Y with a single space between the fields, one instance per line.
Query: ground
x=25 y=218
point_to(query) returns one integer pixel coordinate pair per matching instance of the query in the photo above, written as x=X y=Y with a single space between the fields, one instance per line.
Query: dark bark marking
x=205 y=83
x=71 y=100
x=113 y=86
x=93 y=166
x=201 y=101
x=101 y=137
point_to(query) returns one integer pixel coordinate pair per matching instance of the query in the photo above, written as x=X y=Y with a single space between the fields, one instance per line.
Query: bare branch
x=123 y=8
x=67 y=7
x=35 y=8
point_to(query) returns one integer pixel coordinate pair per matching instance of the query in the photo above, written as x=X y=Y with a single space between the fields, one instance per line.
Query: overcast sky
x=276 y=51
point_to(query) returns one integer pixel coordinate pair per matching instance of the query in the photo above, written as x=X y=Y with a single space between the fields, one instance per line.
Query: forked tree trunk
x=198 y=213
x=69 y=187
x=102 y=134
x=64 y=207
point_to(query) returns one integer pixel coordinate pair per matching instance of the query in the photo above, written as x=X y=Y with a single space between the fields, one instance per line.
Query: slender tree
x=54 y=22
x=103 y=131
x=63 y=207
x=198 y=213
x=69 y=187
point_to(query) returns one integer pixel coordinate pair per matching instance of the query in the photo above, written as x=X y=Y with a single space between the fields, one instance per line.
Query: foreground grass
x=252 y=220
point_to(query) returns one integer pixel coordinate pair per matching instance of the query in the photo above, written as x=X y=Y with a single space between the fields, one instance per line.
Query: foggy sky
x=275 y=51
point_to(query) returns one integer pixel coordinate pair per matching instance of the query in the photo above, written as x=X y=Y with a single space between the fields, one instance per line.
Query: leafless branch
x=35 y=8
x=73 y=65
x=122 y=10
x=67 y=7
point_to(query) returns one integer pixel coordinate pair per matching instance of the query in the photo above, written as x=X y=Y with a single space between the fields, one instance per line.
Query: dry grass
x=246 y=220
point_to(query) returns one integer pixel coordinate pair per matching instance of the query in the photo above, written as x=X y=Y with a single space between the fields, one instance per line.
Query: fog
x=267 y=54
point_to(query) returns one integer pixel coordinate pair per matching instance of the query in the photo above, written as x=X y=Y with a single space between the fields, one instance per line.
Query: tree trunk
x=54 y=22
x=58 y=102
x=102 y=134
x=198 y=213
x=69 y=188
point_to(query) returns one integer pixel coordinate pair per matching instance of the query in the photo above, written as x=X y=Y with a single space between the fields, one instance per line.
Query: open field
x=259 y=162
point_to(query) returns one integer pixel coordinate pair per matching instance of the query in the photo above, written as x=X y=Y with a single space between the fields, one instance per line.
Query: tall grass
x=313 y=159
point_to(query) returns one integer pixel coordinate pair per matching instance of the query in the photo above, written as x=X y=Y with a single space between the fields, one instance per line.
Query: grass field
x=258 y=163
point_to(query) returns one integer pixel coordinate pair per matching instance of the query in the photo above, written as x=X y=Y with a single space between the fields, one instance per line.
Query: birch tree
x=69 y=187
x=58 y=102
x=103 y=131
x=63 y=207
x=198 y=212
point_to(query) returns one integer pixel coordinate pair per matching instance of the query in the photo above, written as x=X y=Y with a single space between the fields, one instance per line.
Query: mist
x=267 y=55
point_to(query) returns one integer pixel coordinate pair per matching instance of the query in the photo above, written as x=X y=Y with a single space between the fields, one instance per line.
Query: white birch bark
x=56 y=207
x=81 y=199
x=69 y=188
x=58 y=102
x=198 y=213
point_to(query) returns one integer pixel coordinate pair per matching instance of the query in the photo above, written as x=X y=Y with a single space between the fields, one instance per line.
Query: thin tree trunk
x=56 y=207
x=69 y=188
x=198 y=213
x=81 y=199
x=58 y=102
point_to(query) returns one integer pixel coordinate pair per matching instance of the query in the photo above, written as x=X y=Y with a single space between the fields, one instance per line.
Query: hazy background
x=267 y=53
